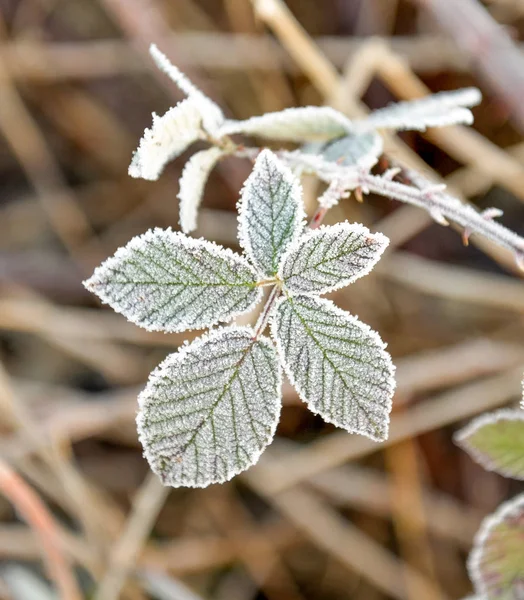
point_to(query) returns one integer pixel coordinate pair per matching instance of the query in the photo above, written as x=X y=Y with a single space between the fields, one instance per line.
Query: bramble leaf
x=270 y=213
x=304 y=124
x=192 y=183
x=169 y=136
x=496 y=563
x=496 y=441
x=337 y=364
x=209 y=411
x=166 y=281
x=361 y=149
x=437 y=110
x=210 y=113
x=328 y=258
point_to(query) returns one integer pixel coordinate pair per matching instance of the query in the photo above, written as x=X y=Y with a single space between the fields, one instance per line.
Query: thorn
x=491 y=213
x=439 y=217
x=465 y=236
x=358 y=195
x=519 y=259
x=390 y=174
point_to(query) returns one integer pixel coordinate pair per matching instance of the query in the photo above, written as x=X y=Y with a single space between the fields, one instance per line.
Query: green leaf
x=350 y=150
x=328 y=258
x=270 y=213
x=338 y=365
x=308 y=123
x=496 y=441
x=209 y=411
x=166 y=281
x=496 y=563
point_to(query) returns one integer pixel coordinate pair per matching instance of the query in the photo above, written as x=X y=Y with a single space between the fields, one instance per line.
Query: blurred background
x=325 y=515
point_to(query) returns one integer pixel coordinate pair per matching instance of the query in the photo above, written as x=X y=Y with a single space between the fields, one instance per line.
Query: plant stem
x=263 y=319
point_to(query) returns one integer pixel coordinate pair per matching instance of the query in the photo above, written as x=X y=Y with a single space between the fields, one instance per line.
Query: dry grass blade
x=36 y=514
x=147 y=503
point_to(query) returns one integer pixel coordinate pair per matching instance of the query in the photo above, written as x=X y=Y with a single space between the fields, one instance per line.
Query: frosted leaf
x=209 y=411
x=361 y=150
x=496 y=441
x=304 y=124
x=169 y=136
x=337 y=364
x=302 y=162
x=496 y=563
x=437 y=110
x=192 y=183
x=210 y=113
x=328 y=258
x=166 y=281
x=270 y=213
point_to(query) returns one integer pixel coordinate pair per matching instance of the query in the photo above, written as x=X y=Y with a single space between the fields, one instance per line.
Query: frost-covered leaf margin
x=297 y=325
x=192 y=183
x=496 y=441
x=437 y=110
x=330 y=257
x=209 y=410
x=168 y=137
x=303 y=124
x=185 y=283
x=496 y=563
x=270 y=213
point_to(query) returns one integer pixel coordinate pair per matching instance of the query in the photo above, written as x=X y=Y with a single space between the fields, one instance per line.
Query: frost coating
x=331 y=257
x=496 y=563
x=192 y=183
x=169 y=136
x=360 y=150
x=210 y=113
x=337 y=364
x=496 y=441
x=209 y=411
x=437 y=110
x=166 y=281
x=293 y=124
x=270 y=213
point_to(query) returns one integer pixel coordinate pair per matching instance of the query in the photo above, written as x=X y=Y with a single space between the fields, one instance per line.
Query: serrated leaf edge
x=243 y=225
x=392 y=384
x=168 y=234
x=380 y=238
x=505 y=510
x=461 y=438
x=179 y=357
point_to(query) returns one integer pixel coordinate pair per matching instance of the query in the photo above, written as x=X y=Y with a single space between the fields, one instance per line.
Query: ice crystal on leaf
x=496 y=441
x=166 y=281
x=329 y=258
x=210 y=409
x=437 y=110
x=337 y=364
x=168 y=137
x=271 y=213
x=305 y=124
x=496 y=563
x=192 y=184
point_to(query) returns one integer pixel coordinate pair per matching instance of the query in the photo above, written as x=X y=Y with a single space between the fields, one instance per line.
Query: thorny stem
x=442 y=206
